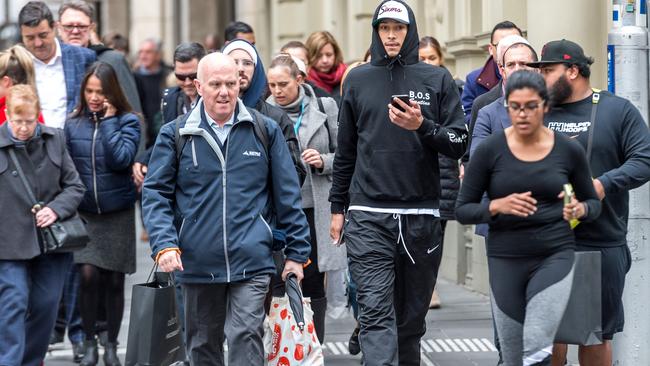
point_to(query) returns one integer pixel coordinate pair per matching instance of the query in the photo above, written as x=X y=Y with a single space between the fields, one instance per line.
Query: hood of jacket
x=257 y=87
x=408 y=54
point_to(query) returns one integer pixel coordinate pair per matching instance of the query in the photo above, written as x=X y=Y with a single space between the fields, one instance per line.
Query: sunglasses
x=182 y=77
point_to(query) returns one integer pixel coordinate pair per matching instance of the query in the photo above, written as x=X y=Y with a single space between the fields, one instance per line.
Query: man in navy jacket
x=207 y=210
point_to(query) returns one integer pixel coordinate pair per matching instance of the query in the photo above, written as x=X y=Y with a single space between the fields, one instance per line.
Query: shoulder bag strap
x=595 y=98
x=21 y=174
x=321 y=108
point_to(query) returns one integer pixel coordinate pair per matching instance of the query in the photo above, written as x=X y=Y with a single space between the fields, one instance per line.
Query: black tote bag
x=155 y=334
x=582 y=321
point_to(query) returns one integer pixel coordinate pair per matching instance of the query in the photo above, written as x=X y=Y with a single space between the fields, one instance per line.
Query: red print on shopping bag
x=275 y=345
x=299 y=353
x=283 y=361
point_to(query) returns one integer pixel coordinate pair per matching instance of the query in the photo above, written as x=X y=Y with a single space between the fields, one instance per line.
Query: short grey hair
x=78 y=5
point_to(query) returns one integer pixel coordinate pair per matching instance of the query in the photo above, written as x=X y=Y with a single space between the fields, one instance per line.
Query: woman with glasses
x=103 y=137
x=31 y=282
x=530 y=244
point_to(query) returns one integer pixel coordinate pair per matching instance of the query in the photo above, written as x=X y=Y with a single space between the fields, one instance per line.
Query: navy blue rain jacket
x=103 y=151
x=214 y=202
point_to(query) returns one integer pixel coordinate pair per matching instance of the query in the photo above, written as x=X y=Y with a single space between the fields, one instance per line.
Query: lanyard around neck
x=296 y=126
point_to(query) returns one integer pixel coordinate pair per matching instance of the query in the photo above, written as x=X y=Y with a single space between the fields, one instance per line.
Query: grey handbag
x=582 y=319
x=62 y=236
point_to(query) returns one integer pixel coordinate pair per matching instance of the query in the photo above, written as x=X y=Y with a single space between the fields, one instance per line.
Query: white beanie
x=240 y=44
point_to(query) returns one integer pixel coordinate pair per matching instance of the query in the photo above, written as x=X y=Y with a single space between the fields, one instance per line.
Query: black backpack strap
x=178 y=139
x=321 y=108
x=261 y=131
x=595 y=98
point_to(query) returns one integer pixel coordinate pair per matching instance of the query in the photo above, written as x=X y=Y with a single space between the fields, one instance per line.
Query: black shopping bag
x=581 y=324
x=155 y=334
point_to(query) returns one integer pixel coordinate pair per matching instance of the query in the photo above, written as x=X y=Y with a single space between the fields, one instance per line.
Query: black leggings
x=95 y=281
x=529 y=296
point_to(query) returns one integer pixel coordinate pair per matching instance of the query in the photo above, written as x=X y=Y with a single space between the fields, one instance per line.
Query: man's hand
x=600 y=190
x=336 y=227
x=293 y=267
x=170 y=261
x=517 y=204
x=139 y=171
x=411 y=119
x=461 y=169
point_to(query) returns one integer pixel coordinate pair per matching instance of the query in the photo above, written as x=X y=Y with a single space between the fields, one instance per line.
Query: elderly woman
x=31 y=282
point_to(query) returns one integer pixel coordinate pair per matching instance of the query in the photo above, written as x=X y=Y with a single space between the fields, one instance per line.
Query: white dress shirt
x=50 y=84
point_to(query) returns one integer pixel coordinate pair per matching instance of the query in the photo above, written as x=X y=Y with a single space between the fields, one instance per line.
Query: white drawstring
x=400 y=236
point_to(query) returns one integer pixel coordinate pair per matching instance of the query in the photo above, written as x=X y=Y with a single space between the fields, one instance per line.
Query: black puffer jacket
x=449 y=186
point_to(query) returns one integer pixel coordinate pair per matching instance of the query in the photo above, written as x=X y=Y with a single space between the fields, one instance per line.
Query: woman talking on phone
x=103 y=136
x=530 y=245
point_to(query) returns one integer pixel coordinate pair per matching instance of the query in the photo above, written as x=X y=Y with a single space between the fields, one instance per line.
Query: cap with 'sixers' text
x=393 y=10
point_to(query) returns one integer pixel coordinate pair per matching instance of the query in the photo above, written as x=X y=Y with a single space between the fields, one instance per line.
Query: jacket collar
x=193 y=120
x=489 y=75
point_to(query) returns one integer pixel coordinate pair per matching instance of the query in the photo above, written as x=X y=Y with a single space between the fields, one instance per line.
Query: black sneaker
x=353 y=344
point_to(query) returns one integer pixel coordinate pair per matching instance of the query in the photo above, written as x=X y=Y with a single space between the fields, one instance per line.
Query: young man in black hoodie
x=386 y=175
x=619 y=157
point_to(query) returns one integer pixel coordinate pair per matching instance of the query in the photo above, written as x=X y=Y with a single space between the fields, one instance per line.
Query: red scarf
x=327 y=81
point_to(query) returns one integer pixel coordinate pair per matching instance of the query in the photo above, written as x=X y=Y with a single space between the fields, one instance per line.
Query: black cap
x=561 y=52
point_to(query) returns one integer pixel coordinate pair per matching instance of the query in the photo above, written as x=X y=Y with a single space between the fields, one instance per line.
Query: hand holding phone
x=109 y=110
x=403 y=97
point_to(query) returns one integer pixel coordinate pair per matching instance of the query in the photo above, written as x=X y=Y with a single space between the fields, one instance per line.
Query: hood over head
x=399 y=11
x=257 y=87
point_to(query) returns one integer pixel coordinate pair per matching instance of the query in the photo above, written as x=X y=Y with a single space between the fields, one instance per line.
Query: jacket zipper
x=180 y=230
x=267 y=225
x=94 y=165
x=225 y=235
x=194 y=153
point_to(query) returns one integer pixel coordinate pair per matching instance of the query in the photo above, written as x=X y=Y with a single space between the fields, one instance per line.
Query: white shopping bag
x=284 y=343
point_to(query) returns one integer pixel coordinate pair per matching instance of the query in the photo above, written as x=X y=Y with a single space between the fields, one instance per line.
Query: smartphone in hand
x=403 y=97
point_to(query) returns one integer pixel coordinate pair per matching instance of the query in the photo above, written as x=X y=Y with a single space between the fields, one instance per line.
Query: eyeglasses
x=72 y=27
x=23 y=123
x=183 y=77
x=527 y=108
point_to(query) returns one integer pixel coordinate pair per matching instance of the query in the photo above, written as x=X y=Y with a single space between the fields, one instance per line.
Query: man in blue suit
x=59 y=67
x=494 y=117
x=59 y=70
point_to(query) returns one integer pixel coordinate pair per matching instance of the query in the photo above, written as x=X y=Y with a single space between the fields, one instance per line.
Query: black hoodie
x=379 y=164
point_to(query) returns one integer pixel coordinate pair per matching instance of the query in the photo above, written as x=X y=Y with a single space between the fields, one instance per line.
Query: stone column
x=585 y=22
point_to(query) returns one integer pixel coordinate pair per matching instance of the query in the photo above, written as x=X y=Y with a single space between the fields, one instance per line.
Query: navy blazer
x=76 y=61
x=491 y=119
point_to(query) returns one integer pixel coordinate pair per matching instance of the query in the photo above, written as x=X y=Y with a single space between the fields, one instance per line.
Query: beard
x=560 y=91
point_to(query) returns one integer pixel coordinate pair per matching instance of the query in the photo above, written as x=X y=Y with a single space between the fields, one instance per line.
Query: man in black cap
x=617 y=142
x=386 y=175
